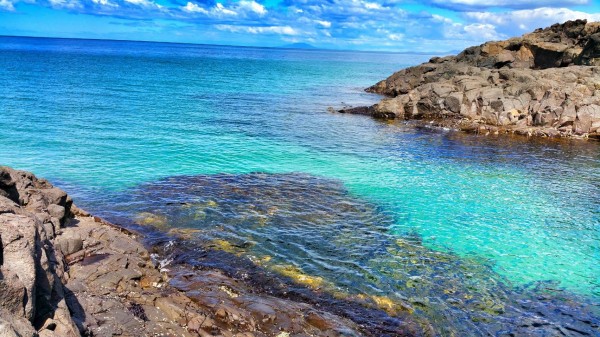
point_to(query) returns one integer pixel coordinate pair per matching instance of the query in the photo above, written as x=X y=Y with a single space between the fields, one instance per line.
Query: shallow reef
x=306 y=238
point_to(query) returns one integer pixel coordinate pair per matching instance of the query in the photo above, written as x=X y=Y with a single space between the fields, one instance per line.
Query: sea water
x=102 y=118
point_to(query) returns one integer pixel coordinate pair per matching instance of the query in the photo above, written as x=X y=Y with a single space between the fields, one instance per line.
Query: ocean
x=131 y=128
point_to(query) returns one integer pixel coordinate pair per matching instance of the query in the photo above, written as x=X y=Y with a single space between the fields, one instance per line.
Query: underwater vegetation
x=324 y=245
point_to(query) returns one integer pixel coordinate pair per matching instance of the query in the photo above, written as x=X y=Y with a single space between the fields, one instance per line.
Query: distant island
x=299 y=45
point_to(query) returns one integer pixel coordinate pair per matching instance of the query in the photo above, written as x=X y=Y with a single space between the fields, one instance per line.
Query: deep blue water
x=99 y=118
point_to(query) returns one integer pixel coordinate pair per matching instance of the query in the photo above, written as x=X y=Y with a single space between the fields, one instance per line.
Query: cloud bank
x=397 y=25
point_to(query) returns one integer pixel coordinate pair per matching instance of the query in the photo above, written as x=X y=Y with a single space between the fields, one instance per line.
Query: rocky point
x=545 y=83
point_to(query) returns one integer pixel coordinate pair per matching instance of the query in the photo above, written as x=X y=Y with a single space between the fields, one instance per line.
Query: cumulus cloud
x=395 y=37
x=372 y=5
x=7 y=5
x=466 y=5
x=252 y=6
x=105 y=3
x=371 y=24
x=281 y=30
x=474 y=33
x=243 y=8
x=220 y=10
x=191 y=7
x=143 y=3
x=65 y=4
x=521 y=21
x=323 y=23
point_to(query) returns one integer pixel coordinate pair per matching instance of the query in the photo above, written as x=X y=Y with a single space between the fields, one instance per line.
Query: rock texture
x=546 y=83
x=66 y=273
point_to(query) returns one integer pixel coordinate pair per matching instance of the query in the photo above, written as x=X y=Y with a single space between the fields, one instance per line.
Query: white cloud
x=439 y=18
x=474 y=4
x=252 y=6
x=482 y=31
x=372 y=5
x=142 y=3
x=521 y=21
x=473 y=33
x=220 y=9
x=105 y=3
x=7 y=5
x=324 y=24
x=217 y=11
x=395 y=37
x=281 y=30
x=193 y=8
x=71 y=4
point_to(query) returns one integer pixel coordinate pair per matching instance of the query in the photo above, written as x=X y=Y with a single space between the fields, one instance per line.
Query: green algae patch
x=296 y=274
x=151 y=219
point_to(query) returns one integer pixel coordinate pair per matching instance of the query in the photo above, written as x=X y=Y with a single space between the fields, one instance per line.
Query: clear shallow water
x=101 y=117
x=315 y=233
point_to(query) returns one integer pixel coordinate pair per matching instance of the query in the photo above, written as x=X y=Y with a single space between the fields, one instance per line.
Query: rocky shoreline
x=545 y=83
x=64 y=272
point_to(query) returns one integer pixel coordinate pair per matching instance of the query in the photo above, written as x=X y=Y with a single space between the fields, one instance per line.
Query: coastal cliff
x=545 y=83
x=66 y=273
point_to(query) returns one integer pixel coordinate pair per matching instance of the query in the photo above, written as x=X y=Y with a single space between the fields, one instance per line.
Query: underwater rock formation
x=308 y=239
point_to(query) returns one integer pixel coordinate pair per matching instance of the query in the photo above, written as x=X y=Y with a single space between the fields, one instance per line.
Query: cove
x=102 y=124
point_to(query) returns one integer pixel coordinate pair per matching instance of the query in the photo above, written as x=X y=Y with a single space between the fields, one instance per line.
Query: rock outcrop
x=546 y=83
x=66 y=273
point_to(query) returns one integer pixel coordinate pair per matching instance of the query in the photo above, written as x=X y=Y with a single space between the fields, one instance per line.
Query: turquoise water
x=100 y=117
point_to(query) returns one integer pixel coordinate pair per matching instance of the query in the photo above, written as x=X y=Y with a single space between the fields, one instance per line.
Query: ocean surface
x=236 y=146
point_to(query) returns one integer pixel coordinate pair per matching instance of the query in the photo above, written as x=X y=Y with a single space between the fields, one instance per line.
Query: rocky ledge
x=66 y=273
x=545 y=83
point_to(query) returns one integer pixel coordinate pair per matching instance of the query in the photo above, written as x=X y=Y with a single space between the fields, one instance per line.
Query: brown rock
x=506 y=83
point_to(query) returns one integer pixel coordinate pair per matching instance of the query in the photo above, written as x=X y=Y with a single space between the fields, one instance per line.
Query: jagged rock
x=12 y=326
x=544 y=83
x=69 y=243
x=31 y=270
x=17 y=287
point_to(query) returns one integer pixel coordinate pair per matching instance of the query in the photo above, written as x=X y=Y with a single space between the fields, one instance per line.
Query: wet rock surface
x=66 y=273
x=546 y=83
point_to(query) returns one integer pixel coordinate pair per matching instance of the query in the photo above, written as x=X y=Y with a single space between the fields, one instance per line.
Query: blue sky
x=392 y=25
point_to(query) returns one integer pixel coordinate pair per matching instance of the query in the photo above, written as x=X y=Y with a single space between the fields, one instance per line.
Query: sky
x=427 y=26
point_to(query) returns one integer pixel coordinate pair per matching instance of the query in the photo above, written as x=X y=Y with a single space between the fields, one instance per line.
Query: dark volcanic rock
x=545 y=83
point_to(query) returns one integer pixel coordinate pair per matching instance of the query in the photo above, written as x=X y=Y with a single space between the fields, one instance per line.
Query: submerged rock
x=545 y=83
x=308 y=239
x=66 y=273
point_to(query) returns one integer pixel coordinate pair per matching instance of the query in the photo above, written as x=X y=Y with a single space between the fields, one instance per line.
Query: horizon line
x=230 y=45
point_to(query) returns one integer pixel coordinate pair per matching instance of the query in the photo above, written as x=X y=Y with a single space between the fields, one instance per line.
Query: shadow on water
x=306 y=238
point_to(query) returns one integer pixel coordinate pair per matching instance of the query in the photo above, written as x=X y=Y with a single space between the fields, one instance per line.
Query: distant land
x=304 y=46
x=299 y=45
